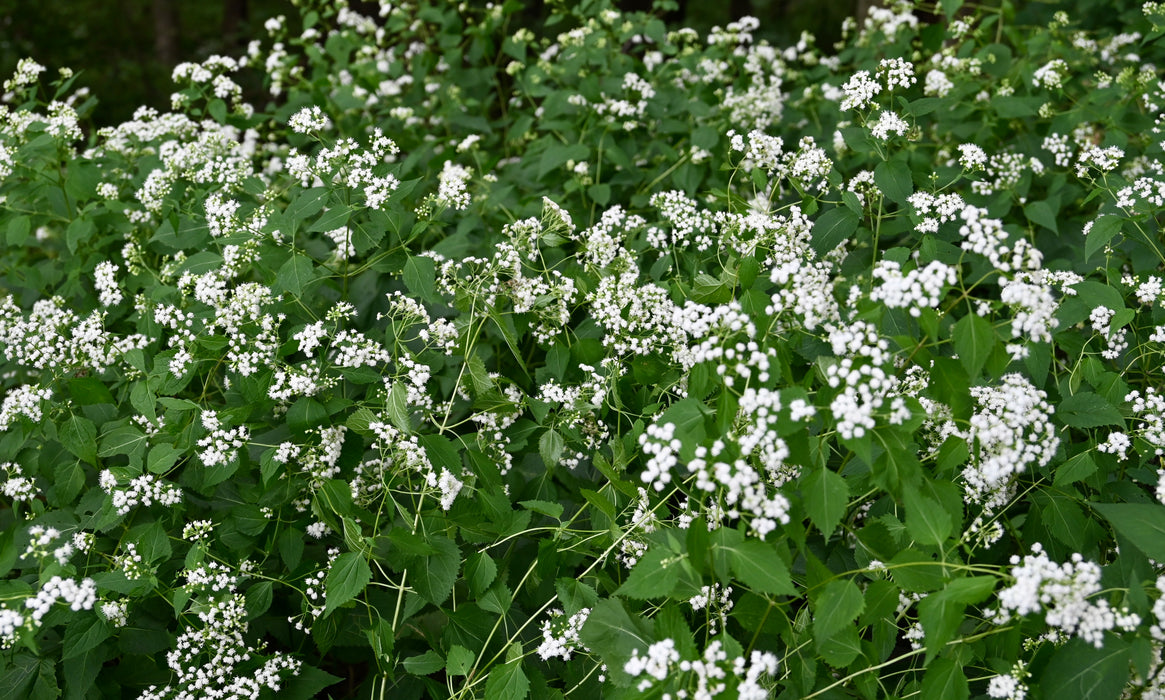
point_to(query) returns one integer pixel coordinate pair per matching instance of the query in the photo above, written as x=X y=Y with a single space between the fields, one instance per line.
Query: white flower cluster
x=221 y=445
x=1117 y=443
x=401 y=456
x=452 y=183
x=52 y=336
x=1061 y=592
x=209 y=661
x=355 y=167
x=144 y=490
x=24 y=400
x=917 y=289
x=105 y=280
x=1150 y=410
x=1031 y=296
x=17 y=486
x=309 y=119
x=945 y=207
x=717 y=600
x=1010 y=431
x=1051 y=75
x=1116 y=340
x=937 y=84
x=710 y=672
x=560 y=634
x=860 y=371
x=888 y=123
x=660 y=442
x=736 y=490
x=627 y=111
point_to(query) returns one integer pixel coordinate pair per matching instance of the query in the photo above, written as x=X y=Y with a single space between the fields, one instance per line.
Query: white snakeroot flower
x=105 y=280
x=888 y=123
x=451 y=190
x=309 y=119
x=937 y=84
x=860 y=91
x=1051 y=75
x=1012 y=431
x=23 y=401
x=560 y=634
x=972 y=157
x=917 y=289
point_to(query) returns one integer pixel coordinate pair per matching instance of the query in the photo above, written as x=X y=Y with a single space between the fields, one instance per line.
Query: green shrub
x=616 y=362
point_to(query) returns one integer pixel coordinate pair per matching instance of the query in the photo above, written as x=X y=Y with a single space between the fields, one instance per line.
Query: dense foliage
x=615 y=362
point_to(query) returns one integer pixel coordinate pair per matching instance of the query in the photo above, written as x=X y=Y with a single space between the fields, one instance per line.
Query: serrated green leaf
x=295 y=275
x=974 y=339
x=655 y=575
x=1088 y=410
x=424 y=664
x=347 y=578
x=458 y=660
x=926 y=520
x=1142 y=523
x=550 y=446
x=434 y=577
x=1080 y=671
x=833 y=228
x=79 y=436
x=945 y=680
x=759 y=567
x=507 y=682
x=894 y=180
x=1102 y=231
x=839 y=604
x=826 y=496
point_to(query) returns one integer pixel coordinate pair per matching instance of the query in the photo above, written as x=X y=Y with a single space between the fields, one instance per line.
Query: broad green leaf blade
x=507 y=682
x=894 y=179
x=1082 y=672
x=1142 y=523
x=655 y=575
x=926 y=520
x=611 y=633
x=833 y=228
x=760 y=568
x=974 y=339
x=1102 y=231
x=825 y=495
x=945 y=680
x=347 y=579
x=79 y=436
x=434 y=577
x=1088 y=410
x=836 y=606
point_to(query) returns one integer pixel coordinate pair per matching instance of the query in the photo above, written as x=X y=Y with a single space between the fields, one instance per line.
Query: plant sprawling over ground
x=611 y=361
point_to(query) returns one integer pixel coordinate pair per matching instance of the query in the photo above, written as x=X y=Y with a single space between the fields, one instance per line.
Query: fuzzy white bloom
x=451 y=190
x=309 y=119
x=937 y=84
x=1051 y=75
x=888 y=123
x=105 y=280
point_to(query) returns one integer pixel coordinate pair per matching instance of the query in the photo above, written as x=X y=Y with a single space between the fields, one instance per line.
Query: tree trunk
x=166 y=32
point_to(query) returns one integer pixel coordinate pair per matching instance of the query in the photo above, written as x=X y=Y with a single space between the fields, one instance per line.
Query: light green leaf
x=424 y=664
x=295 y=275
x=833 y=228
x=459 y=660
x=434 y=577
x=1080 y=671
x=760 y=568
x=550 y=446
x=79 y=436
x=507 y=682
x=893 y=178
x=945 y=680
x=655 y=575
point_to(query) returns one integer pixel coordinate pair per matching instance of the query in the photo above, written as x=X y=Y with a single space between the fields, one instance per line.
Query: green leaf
x=612 y=634
x=1079 y=670
x=507 y=682
x=459 y=660
x=480 y=572
x=348 y=578
x=893 y=178
x=550 y=446
x=332 y=219
x=1087 y=410
x=126 y=440
x=547 y=508
x=974 y=339
x=398 y=407
x=950 y=9
x=838 y=604
x=826 y=496
x=926 y=520
x=1044 y=214
x=79 y=436
x=945 y=680
x=600 y=193
x=575 y=595
x=655 y=575
x=433 y=578
x=83 y=634
x=306 y=684
x=424 y=664
x=295 y=275
x=420 y=277
x=833 y=228
x=558 y=154
x=1101 y=233
x=760 y=568
x=1142 y=523
x=1076 y=469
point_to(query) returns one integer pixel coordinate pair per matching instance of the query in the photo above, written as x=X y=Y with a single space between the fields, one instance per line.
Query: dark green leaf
x=1101 y=233
x=348 y=578
x=1080 y=671
x=974 y=339
x=826 y=496
x=838 y=604
x=893 y=178
x=1142 y=523
x=1088 y=410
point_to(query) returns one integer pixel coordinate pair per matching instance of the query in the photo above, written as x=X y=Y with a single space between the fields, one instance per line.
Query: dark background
x=125 y=49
